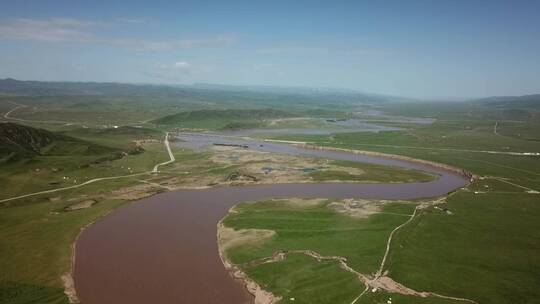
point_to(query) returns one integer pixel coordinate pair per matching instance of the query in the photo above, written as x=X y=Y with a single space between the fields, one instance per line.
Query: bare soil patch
x=81 y=205
x=229 y=237
x=135 y=192
x=357 y=208
x=388 y=284
x=270 y=168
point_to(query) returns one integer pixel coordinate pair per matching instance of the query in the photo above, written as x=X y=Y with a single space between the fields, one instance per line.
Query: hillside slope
x=23 y=142
x=219 y=119
x=17 y=140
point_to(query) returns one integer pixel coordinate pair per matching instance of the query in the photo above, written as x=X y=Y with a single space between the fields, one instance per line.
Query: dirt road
x=155 y=170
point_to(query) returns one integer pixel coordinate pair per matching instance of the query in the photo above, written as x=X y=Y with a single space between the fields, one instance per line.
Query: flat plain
x=479 y=243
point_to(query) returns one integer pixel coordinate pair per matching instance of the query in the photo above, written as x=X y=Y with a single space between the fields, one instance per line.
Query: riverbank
x=260 y=296
x=462 y=172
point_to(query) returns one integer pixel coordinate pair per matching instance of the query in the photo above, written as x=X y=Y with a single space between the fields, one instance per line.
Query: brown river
x=163 y=249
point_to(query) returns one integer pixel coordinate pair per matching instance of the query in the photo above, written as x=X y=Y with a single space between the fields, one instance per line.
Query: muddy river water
x=163 y=249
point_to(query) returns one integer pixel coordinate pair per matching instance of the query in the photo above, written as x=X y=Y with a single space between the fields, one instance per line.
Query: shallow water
x=163 y=249
x=333 y=127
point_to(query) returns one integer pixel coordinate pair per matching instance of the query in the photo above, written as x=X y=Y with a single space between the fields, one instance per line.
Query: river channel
x=163 y=249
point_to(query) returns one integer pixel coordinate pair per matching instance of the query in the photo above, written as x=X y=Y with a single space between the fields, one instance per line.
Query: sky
x=427 y=49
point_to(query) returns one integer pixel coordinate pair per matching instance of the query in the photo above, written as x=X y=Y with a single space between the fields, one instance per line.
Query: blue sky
x=409 y=48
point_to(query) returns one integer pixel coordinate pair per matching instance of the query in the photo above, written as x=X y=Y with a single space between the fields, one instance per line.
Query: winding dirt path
x=155 y=170
x=71 y=187
x=171 y=155
x=379 y=272
x=495 y=129
x=20 y=106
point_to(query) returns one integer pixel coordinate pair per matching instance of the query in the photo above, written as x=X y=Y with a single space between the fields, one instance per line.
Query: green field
x=454 y=139
x=315 y=226
x=435 y=252
x=85 y=155
x=370 y=173
x=229 y=119
x=318 y=228
x=37 y=232
x=485 y=250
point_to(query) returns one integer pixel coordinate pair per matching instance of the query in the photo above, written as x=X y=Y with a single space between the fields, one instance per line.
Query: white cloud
x=167 y=45
x=172 y=71
x=181 y=65
x=83 y=31
x=179 y=71
x=291 y=50
x=49 y=30
x=131 y=20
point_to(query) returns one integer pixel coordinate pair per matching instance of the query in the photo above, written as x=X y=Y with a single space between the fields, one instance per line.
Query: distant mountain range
x=524 y=100
x=276 y=89
x=14 y=87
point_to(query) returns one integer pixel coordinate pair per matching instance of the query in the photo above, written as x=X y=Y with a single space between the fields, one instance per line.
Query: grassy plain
x=36 y=233
x=307 y=281
x=64 y=164
x=462 y=143
x=304 y=226
x=312 y=225
x=370 y=173
x=486 y=250
x=481 y=250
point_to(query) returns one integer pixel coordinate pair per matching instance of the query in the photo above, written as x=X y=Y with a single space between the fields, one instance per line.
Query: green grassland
x=371 y=173
x=220 y=119
x=318 y=228
x=301 y=279
x=520 y=130
x=36 y=232
x=94 y=111
x=461 y=143
x=485 y=250
x=98 y=105
x=73 y=160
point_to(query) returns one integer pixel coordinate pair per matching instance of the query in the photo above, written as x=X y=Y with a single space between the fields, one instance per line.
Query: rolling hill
x=19 y=142
x=221 y=119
